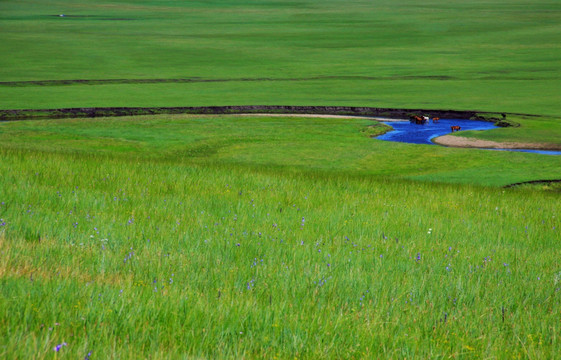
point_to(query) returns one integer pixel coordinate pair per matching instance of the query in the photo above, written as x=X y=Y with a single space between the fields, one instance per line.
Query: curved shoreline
x=463 y=142
x=389 y=113
x=373 y=113
x=325 y=116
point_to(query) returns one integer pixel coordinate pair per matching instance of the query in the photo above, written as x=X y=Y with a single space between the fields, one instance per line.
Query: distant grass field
x=235 y=237
x=499 y=55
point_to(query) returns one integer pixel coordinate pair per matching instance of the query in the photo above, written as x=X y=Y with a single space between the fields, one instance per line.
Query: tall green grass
x=137 y=253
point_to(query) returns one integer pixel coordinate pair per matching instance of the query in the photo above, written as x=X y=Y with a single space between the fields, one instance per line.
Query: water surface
x=406 y=132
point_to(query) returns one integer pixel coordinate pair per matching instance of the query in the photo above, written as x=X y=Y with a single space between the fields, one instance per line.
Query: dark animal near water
x=435 y=120
x=455 y=128
x=419 y=120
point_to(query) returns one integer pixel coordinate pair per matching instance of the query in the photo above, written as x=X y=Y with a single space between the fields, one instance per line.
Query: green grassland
x=243 y=237
x=501 y=56
x=294 y=144
x=186 y=237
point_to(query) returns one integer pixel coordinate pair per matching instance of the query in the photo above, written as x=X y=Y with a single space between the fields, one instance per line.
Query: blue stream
x=406 y=132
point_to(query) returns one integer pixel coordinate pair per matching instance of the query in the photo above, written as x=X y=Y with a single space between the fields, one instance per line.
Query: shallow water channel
x=404 y=131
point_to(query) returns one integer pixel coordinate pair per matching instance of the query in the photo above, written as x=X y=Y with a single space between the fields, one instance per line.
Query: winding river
x=406 y=132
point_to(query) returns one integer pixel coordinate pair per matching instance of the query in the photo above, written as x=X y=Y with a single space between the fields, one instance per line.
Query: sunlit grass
x=281 y=143
x=126 y=255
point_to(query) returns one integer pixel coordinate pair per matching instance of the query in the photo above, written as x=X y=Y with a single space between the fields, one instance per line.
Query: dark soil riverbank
x=534 y=182
x=27 y=114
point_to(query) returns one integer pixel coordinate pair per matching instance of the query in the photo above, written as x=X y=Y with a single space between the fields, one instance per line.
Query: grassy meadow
x=497 y=55
x=238 y=237
x=330 y=146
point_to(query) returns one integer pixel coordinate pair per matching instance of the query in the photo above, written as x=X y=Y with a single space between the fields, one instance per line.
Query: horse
x=435 y=120
x=455 y=128
x=419 y=120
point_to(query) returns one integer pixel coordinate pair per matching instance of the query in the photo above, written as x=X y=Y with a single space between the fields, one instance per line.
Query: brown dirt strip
x=202 y=80
x=324 y=116
x=70 y=82
x=463 y=142
x=390 y=113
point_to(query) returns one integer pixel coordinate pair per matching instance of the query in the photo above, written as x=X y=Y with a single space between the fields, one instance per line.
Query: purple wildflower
x=250 y=284
x=59 y=346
